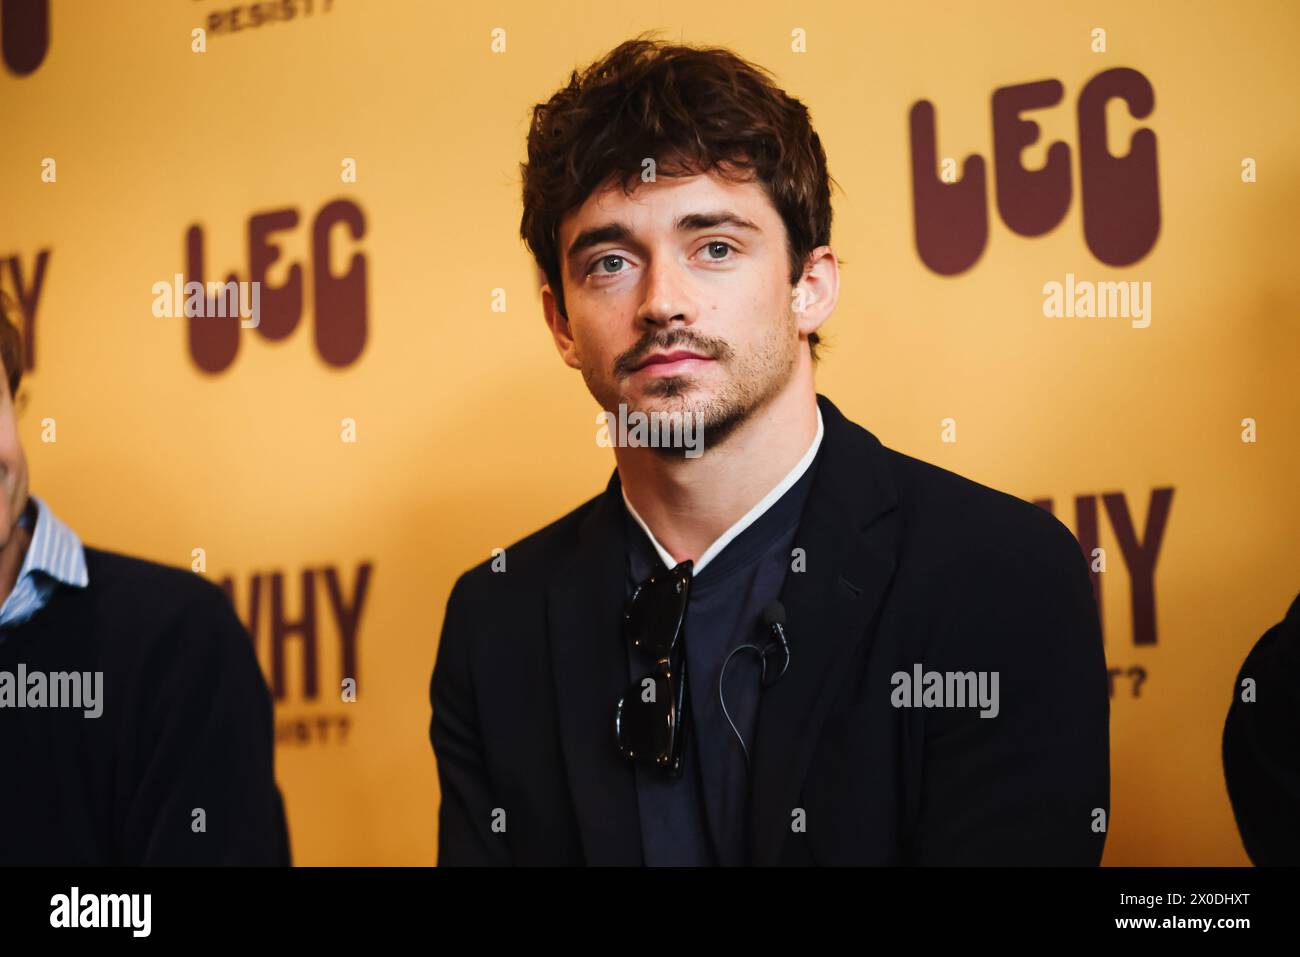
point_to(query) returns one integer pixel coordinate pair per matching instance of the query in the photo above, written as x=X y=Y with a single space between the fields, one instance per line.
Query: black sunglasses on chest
x=650 y=718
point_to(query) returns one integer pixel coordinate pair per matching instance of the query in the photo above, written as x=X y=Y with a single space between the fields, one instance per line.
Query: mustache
x=678 y=338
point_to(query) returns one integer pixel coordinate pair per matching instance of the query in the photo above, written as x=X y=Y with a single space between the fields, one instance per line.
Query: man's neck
x=688 y=503
x=11 y=559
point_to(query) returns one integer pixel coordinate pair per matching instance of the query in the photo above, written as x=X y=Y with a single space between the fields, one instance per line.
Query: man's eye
x=718 y=242
x=605 y=260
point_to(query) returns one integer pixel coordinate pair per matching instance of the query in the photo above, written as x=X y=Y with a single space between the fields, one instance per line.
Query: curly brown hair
x=11 y=345
x=694 y=110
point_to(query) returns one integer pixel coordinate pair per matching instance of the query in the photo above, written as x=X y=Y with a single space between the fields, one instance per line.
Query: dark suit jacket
x=1261 y=763
x=906 y=563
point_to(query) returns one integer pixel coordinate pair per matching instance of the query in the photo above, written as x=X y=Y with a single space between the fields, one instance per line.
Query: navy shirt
x=700 y=818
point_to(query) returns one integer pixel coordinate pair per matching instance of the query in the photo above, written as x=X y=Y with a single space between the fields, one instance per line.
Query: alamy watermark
x=946 y=689
x=654 y=429
x=129 y=911
x=1085 y=299
x=57 y=689
x=216 y=300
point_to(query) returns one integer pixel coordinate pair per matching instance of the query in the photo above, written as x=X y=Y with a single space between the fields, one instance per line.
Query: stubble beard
x=749 y=382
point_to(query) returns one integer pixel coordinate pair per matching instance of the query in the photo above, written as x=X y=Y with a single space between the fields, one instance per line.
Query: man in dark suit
x=771 y=640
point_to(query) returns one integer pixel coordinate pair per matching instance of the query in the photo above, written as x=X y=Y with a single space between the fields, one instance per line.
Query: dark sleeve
x=1261 y=758
x=465 y=835
x=203 y=783
x=1023 y=787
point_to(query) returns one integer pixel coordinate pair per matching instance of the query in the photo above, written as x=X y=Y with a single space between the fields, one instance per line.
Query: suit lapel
x=584 y=624
x=850 y=534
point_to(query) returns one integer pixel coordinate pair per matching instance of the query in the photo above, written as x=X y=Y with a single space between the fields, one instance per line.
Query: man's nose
x=666 y=299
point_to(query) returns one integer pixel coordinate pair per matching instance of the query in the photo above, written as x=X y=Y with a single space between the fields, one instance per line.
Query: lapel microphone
x=774 y=619
x=774 y=622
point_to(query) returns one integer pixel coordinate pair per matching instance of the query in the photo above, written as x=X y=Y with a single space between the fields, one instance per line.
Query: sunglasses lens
x=656 y=613
x=644 y=721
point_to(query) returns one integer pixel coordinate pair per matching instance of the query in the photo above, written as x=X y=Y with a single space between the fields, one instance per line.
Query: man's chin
x=687 y=404
x=716 y=420
x=671 y=393
x=669 y=387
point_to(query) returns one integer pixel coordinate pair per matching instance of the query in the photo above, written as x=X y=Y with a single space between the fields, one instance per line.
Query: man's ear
x=814 y=297
x=559 y=326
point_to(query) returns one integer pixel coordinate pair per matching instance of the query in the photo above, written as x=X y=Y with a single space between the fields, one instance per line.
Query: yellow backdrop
x=469 y=431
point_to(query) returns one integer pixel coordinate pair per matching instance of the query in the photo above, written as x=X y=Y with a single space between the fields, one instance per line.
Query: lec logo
x=1120 y=194
x=339 y=301
x=24 y=34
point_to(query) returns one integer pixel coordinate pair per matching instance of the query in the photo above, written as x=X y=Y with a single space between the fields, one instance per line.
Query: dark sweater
x=186 y=724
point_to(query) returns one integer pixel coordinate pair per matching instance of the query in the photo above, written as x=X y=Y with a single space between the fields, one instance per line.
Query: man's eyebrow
x=722 y=217
x=691 y=222
x=612 y=232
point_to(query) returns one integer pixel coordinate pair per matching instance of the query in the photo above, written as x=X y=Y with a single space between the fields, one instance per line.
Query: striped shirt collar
x=55 y=549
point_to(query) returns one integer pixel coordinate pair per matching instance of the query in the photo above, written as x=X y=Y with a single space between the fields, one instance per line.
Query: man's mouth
x=674 y=362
